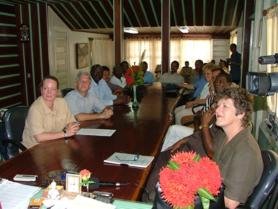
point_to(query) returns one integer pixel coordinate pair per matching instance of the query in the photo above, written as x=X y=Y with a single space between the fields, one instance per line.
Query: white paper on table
x=15 y=195
x=96 y=132
x=88 y=203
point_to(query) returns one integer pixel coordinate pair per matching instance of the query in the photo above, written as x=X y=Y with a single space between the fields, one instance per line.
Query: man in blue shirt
x=83 y=105
x=148 y=76
x=100 y=89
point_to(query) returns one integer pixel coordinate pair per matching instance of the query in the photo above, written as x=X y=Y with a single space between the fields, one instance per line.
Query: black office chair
x=265 y=194
x=14 y=120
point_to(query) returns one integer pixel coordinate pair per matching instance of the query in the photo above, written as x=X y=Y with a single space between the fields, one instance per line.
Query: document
x=132 y=160
x=96 y=132
x=15 y=195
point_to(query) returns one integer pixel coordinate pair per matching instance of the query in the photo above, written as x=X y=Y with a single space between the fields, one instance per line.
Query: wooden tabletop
x=139 y=132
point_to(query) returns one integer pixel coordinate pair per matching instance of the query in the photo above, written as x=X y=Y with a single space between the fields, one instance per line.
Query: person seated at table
x=118 y=78
x=148 y=76
x=172 y=77
x=106 y=76
x=187 y=73
x=100 y=89
x=232 y=146
x=83 y=105
x=49 y=117
x=125 y=65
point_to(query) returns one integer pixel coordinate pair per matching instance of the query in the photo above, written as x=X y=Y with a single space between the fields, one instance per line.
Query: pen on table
x=116 y=184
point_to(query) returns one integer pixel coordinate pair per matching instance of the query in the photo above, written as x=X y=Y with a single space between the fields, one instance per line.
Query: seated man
x=148 y=76
x=232 y=146
x=118 y=78
x=100 y=89
x=172 y=80
x=83 y=105
x=106 y=76
x=49 y=116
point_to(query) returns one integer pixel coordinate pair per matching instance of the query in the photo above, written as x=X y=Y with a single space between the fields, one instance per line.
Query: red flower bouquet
x=186 y=176
x=134 y=76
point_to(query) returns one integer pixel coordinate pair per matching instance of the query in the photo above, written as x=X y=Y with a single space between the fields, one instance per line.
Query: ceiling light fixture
x=131 y=30
x=184 y=29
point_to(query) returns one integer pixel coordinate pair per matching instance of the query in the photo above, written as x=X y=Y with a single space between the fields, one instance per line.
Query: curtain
x=272 y=48
x=181 y=49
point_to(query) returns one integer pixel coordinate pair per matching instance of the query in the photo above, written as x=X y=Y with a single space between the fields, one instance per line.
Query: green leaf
x=206 y=194
x=173 y=165
x=205 y=202
x=197 y=157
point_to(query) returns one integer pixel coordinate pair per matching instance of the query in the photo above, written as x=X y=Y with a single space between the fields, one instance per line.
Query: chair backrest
x=265 y=189
x=65 y=91
x=14 y=120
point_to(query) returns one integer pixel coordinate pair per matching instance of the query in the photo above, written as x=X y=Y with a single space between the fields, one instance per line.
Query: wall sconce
x=24 y=33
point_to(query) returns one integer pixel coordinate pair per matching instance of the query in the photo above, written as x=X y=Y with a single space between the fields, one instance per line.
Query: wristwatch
x=65 y=132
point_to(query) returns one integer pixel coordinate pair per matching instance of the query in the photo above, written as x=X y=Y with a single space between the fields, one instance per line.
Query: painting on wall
x=82 y=55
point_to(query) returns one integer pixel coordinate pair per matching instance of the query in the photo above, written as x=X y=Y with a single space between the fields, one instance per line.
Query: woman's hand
x=72 y=128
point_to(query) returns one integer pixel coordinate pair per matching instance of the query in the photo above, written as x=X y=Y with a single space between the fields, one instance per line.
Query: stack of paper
x=133 y=160
x=95 y=132
x=15 y=195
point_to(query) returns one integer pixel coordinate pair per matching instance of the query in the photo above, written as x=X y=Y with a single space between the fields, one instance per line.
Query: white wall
x=57 y=29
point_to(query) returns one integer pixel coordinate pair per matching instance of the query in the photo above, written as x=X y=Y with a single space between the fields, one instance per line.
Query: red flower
x=134 y=76
x=185 y=175
x=85 y=174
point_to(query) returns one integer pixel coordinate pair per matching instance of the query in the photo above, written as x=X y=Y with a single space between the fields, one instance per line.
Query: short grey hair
x=81 y=73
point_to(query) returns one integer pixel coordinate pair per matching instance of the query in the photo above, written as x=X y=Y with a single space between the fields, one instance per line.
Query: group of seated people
x=51 y=117
x=223 y=133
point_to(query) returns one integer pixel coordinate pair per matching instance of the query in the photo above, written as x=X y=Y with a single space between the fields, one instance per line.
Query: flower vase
x=135 y=104
x=86 y=187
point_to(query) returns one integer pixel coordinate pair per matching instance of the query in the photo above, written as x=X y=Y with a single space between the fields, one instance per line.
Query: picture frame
x=82 y=55
x=73 y=183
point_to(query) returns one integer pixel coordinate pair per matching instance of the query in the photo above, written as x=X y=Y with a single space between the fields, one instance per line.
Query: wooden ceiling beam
x=145 y=13
x=88 y=14
x=81 y=16
x=183 y=13
x=154 y=13
x=97 y=14
x=224 y=13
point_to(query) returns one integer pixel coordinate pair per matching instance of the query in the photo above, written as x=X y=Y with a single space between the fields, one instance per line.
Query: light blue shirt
x=199 y=84
x=102 y=92
x=80 y=104
x=148 y=77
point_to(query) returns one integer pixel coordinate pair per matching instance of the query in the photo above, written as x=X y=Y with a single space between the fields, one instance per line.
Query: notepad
x=96 y=132
x=132 y=160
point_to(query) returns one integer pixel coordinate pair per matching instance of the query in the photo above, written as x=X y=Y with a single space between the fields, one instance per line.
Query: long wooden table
x=140 y=131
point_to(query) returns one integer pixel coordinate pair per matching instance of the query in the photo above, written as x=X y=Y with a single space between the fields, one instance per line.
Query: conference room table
x=138 y=131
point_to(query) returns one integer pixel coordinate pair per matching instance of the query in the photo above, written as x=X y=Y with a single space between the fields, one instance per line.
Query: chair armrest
x=16 y=143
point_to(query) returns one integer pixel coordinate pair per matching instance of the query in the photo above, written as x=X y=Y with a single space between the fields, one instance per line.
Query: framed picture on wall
x=82 y=55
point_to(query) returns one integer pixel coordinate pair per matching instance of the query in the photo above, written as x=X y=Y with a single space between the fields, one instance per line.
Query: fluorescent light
x=183 y=29
x=131 y=30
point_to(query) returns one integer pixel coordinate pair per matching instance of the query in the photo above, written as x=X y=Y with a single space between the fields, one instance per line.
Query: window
x=180 y=49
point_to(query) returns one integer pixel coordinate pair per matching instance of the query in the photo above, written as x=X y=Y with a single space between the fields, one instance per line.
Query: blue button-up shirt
x=103 y=92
